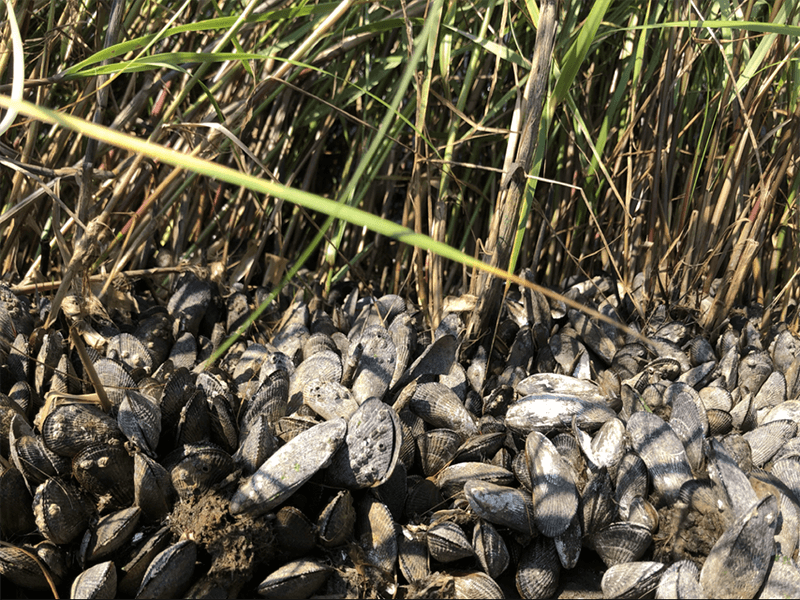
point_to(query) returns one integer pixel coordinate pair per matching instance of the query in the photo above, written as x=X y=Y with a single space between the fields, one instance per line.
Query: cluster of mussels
x=352 y=452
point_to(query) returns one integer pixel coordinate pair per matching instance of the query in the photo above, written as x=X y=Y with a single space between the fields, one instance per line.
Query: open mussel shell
x=376 y=533
x=289 y=468
x=297 y=579
x=335 y=524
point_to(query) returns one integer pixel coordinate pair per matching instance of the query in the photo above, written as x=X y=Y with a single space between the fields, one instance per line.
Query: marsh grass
x=668 y=145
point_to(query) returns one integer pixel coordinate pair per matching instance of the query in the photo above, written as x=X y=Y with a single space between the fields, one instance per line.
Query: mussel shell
x=294 y=532
x=475 y=585
x=376 y=534
x=297 y=579
x=439 y=406
x=20 y=568
x=632 y=579
x=170 y=573
x=437 y=448
x=99 y=581
x=61 y=513
x=194 y=468
x=412 y=555
x=335 y=524
x=501 y=505
x=105 y=471
x=538 y=569
x=663 y=453
x=546 y=412
x=16 y=514
x=555 y=496
x=452 y=478
x=490 y=548
x=738 y=563
x=71 y=427
x=153 y=491
x=376 y=367
x=621 y=542
x=447 y=542
x=680 y=580
x=289 y=468
x=113 y=531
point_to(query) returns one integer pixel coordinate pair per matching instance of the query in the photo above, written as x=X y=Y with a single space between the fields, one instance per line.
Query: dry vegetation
x=667 y=146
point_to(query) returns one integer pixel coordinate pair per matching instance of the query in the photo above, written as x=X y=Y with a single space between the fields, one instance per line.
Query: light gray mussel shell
x=725 y=472
x=60 y=511
x=555 y=497
x=270 y=400
x=475 y=585
x=375 y=531
x=501 y=505
x=447 y=542
x=439 y=406
x=607 y=446
x=324 y=366
x=289 y=468
x=376 y=367
x=554 y=383
x=663 y=453
x=371 y=449
x=115 y=380
x=680 y=581
x=738 y=563
x=767 y=439
x=545 y=412
x=631 y=580
x=335 y=524
x=538 y=569
x=490 y=548
x=329 y=399
x=688 y=420
x=452 y=478
x=99 y=581
x=170 y=573
x=297 y=579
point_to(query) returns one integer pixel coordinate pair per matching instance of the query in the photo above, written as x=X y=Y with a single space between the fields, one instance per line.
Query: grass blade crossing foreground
x=307 y=200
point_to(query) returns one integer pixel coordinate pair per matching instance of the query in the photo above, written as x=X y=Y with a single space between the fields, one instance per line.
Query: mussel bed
x=341 y=448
